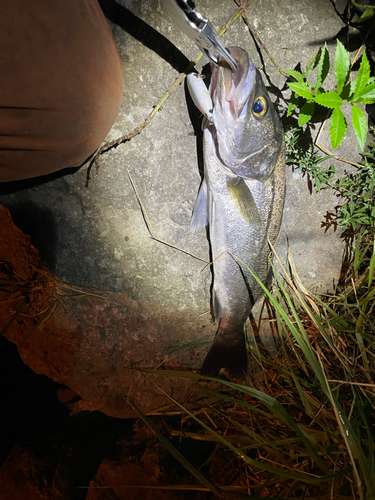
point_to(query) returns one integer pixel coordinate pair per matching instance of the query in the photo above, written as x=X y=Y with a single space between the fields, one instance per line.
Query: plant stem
x=362 y=7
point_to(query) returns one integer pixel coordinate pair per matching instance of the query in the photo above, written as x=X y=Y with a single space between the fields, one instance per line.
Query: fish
x=241 y=199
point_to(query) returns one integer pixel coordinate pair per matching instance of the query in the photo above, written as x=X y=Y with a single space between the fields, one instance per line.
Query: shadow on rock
x=144 y=33
x=39 y=224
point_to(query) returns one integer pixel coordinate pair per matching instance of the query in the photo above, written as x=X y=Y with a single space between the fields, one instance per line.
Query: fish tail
x=228 y=354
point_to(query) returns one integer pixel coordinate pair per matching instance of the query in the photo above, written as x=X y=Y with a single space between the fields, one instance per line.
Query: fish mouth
x=230 y=93
x=231 y=89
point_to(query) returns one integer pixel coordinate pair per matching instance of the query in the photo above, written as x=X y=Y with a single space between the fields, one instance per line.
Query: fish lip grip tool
x=199 y=29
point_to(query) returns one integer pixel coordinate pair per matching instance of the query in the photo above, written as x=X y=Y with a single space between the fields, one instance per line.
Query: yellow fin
x=244 y=201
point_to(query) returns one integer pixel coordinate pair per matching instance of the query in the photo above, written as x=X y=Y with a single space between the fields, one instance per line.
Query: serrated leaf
x=367 y=92
x=337 y=127
x=363 y=100
x=301 y=89
x=329 y=100
x=368 y=13
x=363 y=76
x=342 y=66
x=296 y=75
x=306 y=113
x=311 y=65
x=323 y=67
x=360 y=125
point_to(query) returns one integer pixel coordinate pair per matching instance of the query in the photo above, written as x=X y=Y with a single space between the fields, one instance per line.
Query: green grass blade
x=230 y=491
x=299 y=334
x=359 y=337
x=363 y=302
x=239 y=402
x=345 y=426
x=357 y=259
x=355 y=452
x=329 y=310
x=254 y=436
x=297 y=476
x=372 y=266
x=360 y=256
x=271 y=403
x=308 y=408
x=183 y=461
x=368 y=426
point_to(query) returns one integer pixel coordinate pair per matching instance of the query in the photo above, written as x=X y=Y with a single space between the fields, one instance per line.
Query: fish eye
x=260 y=107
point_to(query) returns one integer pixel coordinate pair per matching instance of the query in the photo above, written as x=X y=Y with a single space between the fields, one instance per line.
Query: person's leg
x=60 y=85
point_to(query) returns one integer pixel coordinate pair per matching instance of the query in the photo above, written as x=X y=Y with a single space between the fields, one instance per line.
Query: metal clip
x=199 y=29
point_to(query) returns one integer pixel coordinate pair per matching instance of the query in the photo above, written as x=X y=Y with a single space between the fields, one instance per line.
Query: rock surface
x=50 y=467
x=87 y=339
x=143 y=462
x=156 y=296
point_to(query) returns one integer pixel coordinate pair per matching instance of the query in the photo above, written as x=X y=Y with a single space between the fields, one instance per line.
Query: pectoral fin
x=199 y=219
x=244 y=201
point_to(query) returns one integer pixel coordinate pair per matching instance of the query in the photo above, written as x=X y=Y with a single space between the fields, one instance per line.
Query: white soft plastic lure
x=200 y=94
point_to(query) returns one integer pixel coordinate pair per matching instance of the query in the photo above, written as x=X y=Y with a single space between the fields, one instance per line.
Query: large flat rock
x=96 y=236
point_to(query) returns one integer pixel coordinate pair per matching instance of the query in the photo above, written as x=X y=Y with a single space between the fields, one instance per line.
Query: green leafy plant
x=358 y=191
x=359 y=91
x=368 y=11
x=357 y=212
x=306 y=159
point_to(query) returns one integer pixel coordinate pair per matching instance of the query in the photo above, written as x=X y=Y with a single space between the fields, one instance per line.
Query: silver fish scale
x=231 y=236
